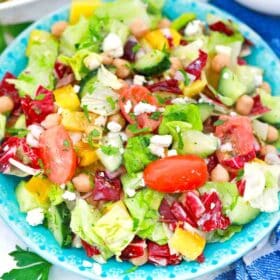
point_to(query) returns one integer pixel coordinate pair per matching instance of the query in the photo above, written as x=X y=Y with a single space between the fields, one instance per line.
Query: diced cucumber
x=21 y=122
x=198 y=143
x=206 y=110
x=88 y=83
x=26 y=200
x=114 y=160
x=154 y=62
x=273 y=103
x=242 y=213
x=58 y=220
x=3 y=120
x=230 y=87
x=132 y=182
x=182 y=20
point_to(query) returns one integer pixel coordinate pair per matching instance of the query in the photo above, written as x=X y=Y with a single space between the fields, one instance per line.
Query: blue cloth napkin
x=266 y=26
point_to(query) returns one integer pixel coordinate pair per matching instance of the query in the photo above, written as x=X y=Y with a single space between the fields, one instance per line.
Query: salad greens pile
x=138 y=137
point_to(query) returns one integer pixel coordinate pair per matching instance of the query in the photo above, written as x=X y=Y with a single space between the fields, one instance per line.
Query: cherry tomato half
x=57 y=153
x=176 y=174
x=136 y=94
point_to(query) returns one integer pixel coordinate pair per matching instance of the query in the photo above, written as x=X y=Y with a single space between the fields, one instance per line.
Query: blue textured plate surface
x=217 y=255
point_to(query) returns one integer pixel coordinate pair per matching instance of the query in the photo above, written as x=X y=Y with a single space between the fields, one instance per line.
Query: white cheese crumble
x=35 y=217
x=130 y=192
x=172 y=152
x=70 y=196
x=139 y=80
x=221 y=49
x=156 y=150
x=77 y=242
x=227 y=147
x=112 y=45
x=93 y=61
x=193 y=28
x=32 y=141
x=75 y=137
x=182 y=100
x=233 y=114
x=114 y=126
x=100 y=121
x=258 y=80
x=76 y=88
x=161 y=140
x=36 y=130
x=142 y=107
x=127 y=106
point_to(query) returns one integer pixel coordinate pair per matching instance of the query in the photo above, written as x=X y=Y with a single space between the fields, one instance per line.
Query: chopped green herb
x=134 y=129
x=239 y=175
x=161 y=100
x=136 y=48
x=186 y=77
x=85 y=109
x=92 y=137
x=66 y=143
x=40 y=97
x=109 y=150
x=19 y=132
x=132 y=269
x=112 y=102
x=155 y=116
x=218 y=122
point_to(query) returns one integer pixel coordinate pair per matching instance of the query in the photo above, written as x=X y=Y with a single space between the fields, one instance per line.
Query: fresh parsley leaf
x=240 y=175
x=132 y=269
x=161 y=100
x=109 y=150
x=155 y=116
x=30 y=266
x=40 y=97
x=66 y=143
x=93 y=136
x=136 y=48
x=218 y=122
x=85 y=109
x=112 y=102
x=19 y=132
x=186 y=77
x=134 y=129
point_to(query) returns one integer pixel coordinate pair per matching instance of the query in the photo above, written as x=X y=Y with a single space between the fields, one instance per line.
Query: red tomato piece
x=57 y=154
x=176 y=174
x=136 y=94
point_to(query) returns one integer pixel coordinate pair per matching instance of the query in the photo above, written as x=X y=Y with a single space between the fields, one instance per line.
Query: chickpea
x=272 y=134
x=140 y=260
x=82 y=183
x=118 y=118
x=219 y=174
x=139 y=28
x=268 y=149
x=265 y=86
x=106 y=59
x=164 y=23
x=58 y=28
x=176 y=64
x=220 y=61
x=244 y=105
x=6 y=104
x=123 y=70
x=51 y=121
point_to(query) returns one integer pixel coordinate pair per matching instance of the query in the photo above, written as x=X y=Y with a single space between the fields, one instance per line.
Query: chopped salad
x=138 y=137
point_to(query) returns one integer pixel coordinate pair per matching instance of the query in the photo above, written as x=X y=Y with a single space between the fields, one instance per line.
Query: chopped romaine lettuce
x=132 y=182
x=137 y=154
x=55 y=195
x=223 y=235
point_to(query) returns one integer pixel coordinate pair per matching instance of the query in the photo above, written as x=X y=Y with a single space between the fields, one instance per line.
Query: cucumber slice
x=182 y=20
x=132 y=182
x=242 y=213
x=3 y=120
x=152 y=63
x=58 y=220
x=206 y=110
x=230 y=87
x=198 y=143
x=26 y=200
x=111 y=161
x=88 y=83
x=21 y=122
x=273 y=103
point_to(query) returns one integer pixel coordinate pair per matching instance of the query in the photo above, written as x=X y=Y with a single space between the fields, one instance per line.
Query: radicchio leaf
x=129 y=51
x=258 y=107
x=135 y=249
x=64 y=74
x=171 y=85
x=195 y=68
x=90 y=249
x=221 y=27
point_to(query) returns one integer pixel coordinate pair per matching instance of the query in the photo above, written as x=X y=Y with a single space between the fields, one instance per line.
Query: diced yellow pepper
x=77 y=121
x=67 y=98
x=86 y=154
x=194 y=88
x=40 y=187
x=189 y=244
x=157 y=39
x=84 y=8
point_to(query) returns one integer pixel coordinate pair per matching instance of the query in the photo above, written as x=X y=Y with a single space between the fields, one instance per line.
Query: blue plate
x=217 y=255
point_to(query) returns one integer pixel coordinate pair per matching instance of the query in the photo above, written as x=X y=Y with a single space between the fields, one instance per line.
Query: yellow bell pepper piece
x=85 y=153
x=84 y=8
x=157 y=39
x=77 y=121
x=67 y=98
x=189 y=244
x=40 y=187
x=194 y=88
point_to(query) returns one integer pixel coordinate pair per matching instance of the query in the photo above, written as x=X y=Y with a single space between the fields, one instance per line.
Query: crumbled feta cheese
x=139 y=80
x=161 y=140
x=172 y=152
x=76 y=88
x=130 y=192
x=87 y=264
x=114 y=126
x=97 y=268
x=142 y=107
x=193 y=28
x=258 y=80
x=142 y=183
x=31 y=140
x=100 y=121
x=75 y=137
x=112 y=45
x=127 y=106
x=221 y=49
x=62 y=186
x=35 y=217
x=36 y=130
x=161 y=109
x=71 y=196
x=233 y=114
x=227 y=147
x=123 y=137
x=182 y=100
x=93 y=61
x=156 y=150
x=77 y=242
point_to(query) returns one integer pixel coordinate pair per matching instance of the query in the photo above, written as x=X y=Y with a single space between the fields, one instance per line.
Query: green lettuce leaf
x=223 y=235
